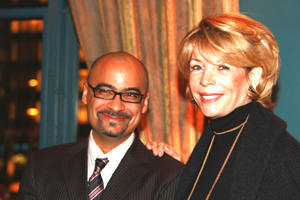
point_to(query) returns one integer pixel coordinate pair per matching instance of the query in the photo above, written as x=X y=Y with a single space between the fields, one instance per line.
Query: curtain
x=151 y=30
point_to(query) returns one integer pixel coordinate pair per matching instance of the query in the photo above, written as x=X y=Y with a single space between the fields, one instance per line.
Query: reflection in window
x=20 y=86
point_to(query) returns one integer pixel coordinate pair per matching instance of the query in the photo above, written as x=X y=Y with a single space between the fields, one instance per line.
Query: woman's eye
x=196 y=67
x=223 y=67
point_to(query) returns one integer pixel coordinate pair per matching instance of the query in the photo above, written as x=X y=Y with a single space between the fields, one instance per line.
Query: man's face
x=115 y=118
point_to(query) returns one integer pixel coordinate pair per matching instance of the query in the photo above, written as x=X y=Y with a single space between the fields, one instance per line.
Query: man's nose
x=116 y=104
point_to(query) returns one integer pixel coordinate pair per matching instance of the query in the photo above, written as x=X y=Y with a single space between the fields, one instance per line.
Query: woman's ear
x=255 y=76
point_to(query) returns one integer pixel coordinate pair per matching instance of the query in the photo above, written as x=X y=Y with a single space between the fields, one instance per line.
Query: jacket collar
x=75 y=170
x=256 y=144
x=129 y=171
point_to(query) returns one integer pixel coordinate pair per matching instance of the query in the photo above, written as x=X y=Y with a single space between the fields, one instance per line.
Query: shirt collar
x=114 y=156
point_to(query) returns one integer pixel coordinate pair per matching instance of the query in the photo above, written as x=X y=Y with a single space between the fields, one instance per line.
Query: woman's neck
x=232 y=120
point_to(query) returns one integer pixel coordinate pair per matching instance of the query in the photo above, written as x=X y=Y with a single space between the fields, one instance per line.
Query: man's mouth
x=114 y=116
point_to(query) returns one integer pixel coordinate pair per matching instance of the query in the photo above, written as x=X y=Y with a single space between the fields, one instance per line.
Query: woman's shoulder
x=288 y=147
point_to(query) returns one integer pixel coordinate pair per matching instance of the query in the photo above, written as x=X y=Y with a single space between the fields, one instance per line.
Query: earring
x=251 y=89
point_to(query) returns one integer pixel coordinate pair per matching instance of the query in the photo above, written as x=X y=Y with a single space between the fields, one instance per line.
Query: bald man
x=116 y=95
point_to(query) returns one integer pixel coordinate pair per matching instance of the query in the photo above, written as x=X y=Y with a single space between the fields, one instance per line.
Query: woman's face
x=217 y=89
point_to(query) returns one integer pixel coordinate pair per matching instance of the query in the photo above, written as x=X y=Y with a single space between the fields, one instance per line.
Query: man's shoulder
x=59 y=150
x=165 y=163
x=169 y=164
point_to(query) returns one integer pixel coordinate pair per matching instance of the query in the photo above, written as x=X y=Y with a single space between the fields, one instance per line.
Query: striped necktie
x=95 y=184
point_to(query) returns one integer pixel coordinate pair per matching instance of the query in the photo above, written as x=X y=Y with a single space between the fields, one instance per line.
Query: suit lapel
x=75 y=170
x=257 y=141
x=128 y=172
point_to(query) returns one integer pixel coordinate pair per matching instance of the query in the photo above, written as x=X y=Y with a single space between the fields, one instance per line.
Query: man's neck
x=106 y=143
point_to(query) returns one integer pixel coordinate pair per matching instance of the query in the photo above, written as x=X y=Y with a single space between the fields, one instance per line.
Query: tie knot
x=100 y=163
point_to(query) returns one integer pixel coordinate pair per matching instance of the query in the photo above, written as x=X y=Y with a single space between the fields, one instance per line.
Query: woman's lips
x=210 y=98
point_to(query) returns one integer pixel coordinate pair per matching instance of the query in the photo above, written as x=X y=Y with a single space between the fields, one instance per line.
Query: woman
x=231 y=63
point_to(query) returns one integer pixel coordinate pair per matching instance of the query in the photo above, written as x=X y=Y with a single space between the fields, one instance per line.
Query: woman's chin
x=210 y=112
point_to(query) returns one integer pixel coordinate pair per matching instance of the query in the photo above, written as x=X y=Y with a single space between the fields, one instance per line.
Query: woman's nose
x=207 y=78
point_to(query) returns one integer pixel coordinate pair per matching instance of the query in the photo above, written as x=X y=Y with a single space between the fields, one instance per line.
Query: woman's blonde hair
x=239 y=41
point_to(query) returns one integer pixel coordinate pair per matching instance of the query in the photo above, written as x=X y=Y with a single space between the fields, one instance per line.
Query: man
x=116 y=96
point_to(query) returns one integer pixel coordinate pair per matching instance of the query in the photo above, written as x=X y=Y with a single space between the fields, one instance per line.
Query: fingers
x=161 y=147
x=158 y=149
x=171 y=152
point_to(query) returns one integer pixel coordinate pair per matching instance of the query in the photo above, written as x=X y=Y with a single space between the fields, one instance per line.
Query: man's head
x=114 y=119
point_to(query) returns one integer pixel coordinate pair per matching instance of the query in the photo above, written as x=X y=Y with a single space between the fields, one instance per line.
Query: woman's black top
x=219 y=151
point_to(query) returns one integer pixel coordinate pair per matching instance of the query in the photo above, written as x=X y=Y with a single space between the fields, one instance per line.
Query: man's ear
x=145 y=106
x=85 y=93
x=255 y=76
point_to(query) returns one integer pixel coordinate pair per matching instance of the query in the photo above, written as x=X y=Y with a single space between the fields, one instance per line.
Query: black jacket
x=267 y=164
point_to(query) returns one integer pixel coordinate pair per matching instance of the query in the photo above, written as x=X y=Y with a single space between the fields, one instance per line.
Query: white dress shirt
x=114 y=157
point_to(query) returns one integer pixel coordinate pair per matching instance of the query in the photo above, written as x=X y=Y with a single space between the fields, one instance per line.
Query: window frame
x=60 y=65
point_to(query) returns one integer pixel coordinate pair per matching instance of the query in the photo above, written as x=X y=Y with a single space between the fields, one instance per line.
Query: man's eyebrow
x=105 y=85
x=114 y=88
x=134 y=89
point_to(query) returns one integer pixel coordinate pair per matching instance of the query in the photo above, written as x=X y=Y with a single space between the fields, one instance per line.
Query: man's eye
x=104 y=91
x=131 y=95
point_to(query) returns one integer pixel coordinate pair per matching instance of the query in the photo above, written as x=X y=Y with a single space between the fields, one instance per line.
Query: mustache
x=116 y=114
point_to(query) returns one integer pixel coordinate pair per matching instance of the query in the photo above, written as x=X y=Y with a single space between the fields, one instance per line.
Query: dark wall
x=283 y=19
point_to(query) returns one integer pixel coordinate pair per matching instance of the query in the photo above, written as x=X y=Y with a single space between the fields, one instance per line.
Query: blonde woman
x=231 y=63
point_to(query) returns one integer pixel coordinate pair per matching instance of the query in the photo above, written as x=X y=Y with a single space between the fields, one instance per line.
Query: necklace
x=242 y=124
x=225 y=162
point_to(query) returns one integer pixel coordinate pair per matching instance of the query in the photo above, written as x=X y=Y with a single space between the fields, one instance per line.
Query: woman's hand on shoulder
x=158 y=149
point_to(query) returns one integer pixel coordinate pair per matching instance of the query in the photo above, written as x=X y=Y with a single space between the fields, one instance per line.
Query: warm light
x=83 y=74
x=38 y=107
x=36 y=25
x=82 y=117
x=32 y=111
x=15 y=26
x=24 y=26
x=10 y=170
x=81 y=56
x=14 y=187
x=20 y=159
x=33 y=82
x=39 y=79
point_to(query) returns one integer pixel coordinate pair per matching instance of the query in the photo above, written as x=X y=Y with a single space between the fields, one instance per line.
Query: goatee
x=110 y=133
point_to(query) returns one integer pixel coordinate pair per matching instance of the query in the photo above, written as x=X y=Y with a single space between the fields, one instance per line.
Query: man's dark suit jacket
x=60 y=172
